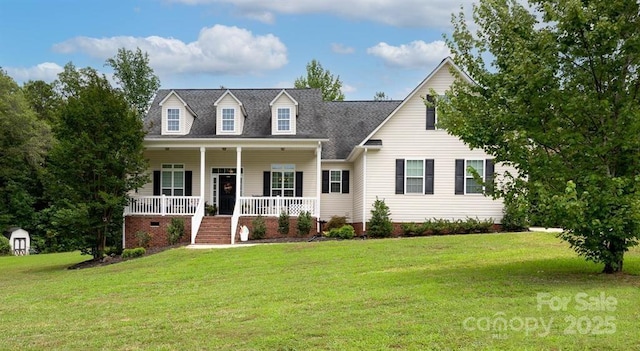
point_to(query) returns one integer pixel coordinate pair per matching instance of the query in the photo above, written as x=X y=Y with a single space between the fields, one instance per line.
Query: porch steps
x=214 y=230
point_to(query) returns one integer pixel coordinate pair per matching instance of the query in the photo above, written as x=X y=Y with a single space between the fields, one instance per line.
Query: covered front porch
x=261 y=178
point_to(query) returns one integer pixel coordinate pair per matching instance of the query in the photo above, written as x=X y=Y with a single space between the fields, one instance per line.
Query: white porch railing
x=273 y=206
x=163 y=205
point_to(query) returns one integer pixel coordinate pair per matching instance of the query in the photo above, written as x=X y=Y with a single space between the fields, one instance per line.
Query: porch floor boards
x=214 y=230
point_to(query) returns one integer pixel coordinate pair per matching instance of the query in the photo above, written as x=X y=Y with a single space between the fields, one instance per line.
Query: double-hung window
x=284 y=119
x=414 y=175
x=472 y=186
x=172 y=179
x=283 y=180
x=228 y=119
x=173 y=120
x=335 y=181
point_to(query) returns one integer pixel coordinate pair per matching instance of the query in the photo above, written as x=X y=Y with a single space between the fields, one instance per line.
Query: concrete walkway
x=548 y=230
x=221 y=246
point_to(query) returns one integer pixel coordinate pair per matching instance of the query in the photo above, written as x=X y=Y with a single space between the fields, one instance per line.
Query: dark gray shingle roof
x=344 y=123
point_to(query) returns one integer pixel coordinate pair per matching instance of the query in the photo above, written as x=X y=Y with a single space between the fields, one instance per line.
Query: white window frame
x=173 y=168
x=407 y=176
x=282 y=190
x=469 y=176
x=281 y=118
x=223 y=119
x=332 y=181
x=171 y=118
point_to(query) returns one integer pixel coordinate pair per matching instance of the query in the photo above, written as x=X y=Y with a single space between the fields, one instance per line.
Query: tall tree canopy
x=135 y=77
x=96 y=161
x=318 y=77
x=24 y=141
x=559 y=101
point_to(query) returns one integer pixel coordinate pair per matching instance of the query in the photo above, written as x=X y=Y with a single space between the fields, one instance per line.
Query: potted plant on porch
x=210 y=210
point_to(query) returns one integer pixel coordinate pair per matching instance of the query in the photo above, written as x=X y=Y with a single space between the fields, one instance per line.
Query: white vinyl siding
x=404 y=136
x=176 y=118
x=338 y=203
x=283 y=116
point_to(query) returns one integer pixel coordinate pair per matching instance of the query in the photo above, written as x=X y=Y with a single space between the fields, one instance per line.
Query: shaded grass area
x=410 y=294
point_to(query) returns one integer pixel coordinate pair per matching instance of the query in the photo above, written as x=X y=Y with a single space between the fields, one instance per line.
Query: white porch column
x=238 y=171
x=318 y=184
x=364 y=191
x=202 y=172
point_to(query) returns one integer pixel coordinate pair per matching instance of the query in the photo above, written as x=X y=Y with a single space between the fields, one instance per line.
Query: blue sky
x=373 y=45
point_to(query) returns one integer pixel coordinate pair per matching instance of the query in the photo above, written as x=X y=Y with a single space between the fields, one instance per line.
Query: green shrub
x=175 y=230
x=380 y=225
x=304 y=223
x=283 y=223
x=113 y=250
x=344 y=232
x=133 y=253
x=5 y=246
x=259 y=228
x=413 y=229
x=335 y=222
x=143 y=238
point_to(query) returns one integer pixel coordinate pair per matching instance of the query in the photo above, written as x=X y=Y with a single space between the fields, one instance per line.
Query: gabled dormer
x=230 y=114
x=177 y=115
x=284 y=113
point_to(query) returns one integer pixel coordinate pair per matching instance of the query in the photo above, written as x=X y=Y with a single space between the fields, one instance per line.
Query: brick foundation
x=134 y=224
x=272 y=227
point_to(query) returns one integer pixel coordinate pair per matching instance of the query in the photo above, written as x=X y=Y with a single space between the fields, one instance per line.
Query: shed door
x=20 y=246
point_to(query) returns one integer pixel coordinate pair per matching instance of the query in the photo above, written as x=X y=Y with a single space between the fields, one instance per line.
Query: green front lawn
x=446 y=292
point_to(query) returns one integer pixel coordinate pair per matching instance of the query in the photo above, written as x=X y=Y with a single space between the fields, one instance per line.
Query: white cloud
x=347 y=89
x=416 y=54
x=402 y=13
x=47 y=71
x=218 y=50
x=342 y=49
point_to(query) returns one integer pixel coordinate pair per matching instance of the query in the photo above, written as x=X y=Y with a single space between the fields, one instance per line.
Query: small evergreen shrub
x=283 y=223
x=5 y=246
x=335 y=222
x=143 y=238
x=133 y=253
x=413 y=229
x=175 y=230
x=380 y=225
x=344 y=232
x=259 y=228
x=304 y=223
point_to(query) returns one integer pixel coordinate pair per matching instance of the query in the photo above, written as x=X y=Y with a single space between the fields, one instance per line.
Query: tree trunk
x=613 y=266
x=101 y=243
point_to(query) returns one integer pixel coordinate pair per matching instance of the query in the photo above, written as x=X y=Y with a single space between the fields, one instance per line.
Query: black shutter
x=460 y=177
x=188 y=183
x=428 y=177
x=488 y=176
x=298 y=184
x=345 y=182
x=266 y=183
x=431 y=113
x=325 y=182
x=156 y=183
x=399 y=176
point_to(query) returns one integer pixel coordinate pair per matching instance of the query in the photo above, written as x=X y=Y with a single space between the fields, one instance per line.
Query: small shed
x=19 y=240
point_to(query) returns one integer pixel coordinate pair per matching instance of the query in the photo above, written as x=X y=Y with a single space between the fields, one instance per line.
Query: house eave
x=195 y=143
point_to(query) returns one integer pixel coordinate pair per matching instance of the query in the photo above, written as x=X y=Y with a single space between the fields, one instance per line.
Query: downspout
x=318 y=185
x=364 y=191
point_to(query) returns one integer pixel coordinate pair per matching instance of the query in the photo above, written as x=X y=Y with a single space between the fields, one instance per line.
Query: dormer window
x=284 y=119
x=228 y=120
x=173 y=120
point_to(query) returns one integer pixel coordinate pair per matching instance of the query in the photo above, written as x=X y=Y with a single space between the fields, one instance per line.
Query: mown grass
x=408 y=294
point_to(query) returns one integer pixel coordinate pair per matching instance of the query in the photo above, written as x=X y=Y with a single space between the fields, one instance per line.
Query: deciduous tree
x=318 y=77
x=135 y=77
x=557 y=97
x=96 y=161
